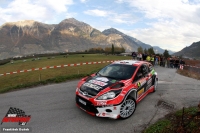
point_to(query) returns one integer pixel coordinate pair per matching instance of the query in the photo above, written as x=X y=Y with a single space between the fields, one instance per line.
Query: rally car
x=115 y=90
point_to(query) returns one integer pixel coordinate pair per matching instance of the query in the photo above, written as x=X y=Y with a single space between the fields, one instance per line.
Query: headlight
x=109 y=95
x=77 y=89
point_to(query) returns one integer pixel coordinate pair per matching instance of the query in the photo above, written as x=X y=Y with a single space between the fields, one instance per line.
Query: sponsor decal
x=102 y=79
x=138 y=84
x=101 y=103
x=100 y=83
x=96 y=87
x=113 y=81
x=140 y=92
x=81 y=101
x=152 y=72
x=141 y=83
x=16 y=115
x=149 y=83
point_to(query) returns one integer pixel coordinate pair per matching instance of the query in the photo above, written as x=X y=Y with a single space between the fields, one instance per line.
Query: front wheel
x=127 y=108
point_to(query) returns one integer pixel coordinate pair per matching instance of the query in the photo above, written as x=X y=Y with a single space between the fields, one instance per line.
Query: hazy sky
x=169 y=24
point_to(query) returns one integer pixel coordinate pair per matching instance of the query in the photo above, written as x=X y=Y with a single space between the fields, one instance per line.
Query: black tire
x=155 y=83
x=128 y=108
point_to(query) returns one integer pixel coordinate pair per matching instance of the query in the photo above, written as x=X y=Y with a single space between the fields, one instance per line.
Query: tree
x=145 y=51
x=140 y=49
x=96 y=50
x=107 y=50
x=166 y=54
x=113 y=49
x=119 y=50
x=151 y=51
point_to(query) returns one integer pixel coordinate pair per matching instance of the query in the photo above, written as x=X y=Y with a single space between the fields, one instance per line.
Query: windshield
x=118 y=71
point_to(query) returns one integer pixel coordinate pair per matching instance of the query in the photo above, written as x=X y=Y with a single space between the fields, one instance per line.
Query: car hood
x=94 y=85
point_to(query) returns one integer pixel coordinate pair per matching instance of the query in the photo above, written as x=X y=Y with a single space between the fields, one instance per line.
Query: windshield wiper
x=111 y=77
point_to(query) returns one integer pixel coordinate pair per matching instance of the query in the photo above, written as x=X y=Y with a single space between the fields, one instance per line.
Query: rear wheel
x=155 y=84
x=127 y=108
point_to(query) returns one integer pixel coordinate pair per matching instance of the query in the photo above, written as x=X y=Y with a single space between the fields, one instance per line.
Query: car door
x=141 y=81
x=148 y=76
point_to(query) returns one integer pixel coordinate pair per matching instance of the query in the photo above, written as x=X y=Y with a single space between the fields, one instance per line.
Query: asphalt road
x=53 y=109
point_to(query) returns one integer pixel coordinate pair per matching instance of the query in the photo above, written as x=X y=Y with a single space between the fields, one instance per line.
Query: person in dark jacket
x=177 y=63
x=134 y=55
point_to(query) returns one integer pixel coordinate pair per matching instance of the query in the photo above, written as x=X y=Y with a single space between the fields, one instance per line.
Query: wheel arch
x=132 y=93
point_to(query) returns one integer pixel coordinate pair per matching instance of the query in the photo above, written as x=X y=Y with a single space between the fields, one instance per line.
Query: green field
x=22 y=80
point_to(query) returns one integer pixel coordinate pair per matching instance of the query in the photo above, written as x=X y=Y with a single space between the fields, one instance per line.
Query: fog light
x=108 y=110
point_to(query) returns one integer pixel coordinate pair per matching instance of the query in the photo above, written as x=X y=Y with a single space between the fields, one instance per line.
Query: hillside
x=193 y=51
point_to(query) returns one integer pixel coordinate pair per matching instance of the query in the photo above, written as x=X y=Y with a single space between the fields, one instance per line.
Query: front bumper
x=110 y=111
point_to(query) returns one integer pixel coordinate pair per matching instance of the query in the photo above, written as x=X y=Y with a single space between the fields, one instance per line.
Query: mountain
x=161 y=51
x=31 y=37
x=133 y=42
x=193 y=51
x=129 y=42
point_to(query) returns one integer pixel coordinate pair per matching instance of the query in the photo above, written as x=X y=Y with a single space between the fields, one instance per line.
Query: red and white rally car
x=116 y=89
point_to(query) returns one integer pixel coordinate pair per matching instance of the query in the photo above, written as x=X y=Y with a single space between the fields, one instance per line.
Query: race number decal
x=140 y=92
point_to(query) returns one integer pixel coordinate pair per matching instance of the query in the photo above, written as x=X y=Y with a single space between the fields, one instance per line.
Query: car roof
x=130 y=62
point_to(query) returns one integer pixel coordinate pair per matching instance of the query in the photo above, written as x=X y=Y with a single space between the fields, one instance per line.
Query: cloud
x=175 y=22
x=123 y=18
x=112 y=16
x=83 y=1
x=167 y=34
x=58 y=6
x=44 y=11
x=97 y=12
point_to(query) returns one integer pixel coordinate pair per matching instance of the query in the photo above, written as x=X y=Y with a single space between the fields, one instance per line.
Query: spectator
x=168 y=62
x=164 y=61
x=171 y=63
x=134 y=55
x=174 y=62
x=144 y=56
x=177 y=63
x=139 y=56
x=182 y=62
x=152 y=60
x=148 y=58
x=161 y=61
x=156 y=60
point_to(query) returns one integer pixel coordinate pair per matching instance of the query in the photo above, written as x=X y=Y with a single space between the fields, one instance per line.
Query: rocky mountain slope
x=70 y=35
x=193 y=51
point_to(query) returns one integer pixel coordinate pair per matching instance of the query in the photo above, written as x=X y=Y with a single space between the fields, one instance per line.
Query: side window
x=138 y=75
x=150 y=67
x=145 y=70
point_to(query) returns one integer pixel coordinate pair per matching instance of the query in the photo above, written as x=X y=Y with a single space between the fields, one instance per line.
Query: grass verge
x=186 y=120
x=44 y=82
x=42 y=77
